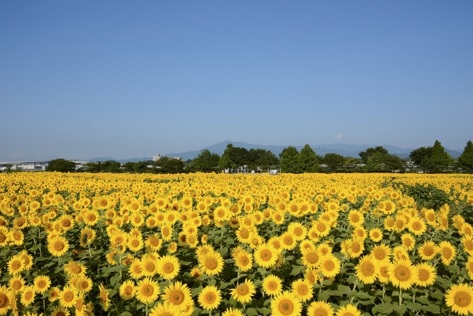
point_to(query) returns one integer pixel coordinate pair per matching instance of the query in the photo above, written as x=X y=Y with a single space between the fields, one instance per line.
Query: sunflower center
x=423 y=275
x=210 y=297
x=367 y=269
x=150 y=266
x=447 y=253
x=302 y=289
x=243 y=289
x=286 y=307
x=402 y=273
x=329 y=265
x=41 y=284
x=428 y=251
x=16 y=285
x=3 y=237
x=266 y=254
x=176 y=297
x=59 y=245
x=312 y=257
x=379 y=254
x=147 y=290
x=211 y=263
x=243 y=260
x=321 y=312
x=16 y=265
x=28 y=295
x=68 y=296
x=462 y=299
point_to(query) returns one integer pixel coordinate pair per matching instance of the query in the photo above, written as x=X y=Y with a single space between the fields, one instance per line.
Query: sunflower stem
x=400 y=297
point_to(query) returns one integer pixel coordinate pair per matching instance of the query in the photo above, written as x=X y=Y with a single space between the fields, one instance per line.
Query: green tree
x=261 y=159
x=169 y=165
x=307 y=160
x=206 y=161
x=439 y=161
x=378 y=159
x=234 y=157
x=365 y=155
x=288 y=160
x=465 y=161
x=333 y=161
x=61 y=165
x=137 y=167
x=419 y=155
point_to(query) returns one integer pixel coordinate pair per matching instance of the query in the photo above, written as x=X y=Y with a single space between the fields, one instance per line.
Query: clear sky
x=125 y=79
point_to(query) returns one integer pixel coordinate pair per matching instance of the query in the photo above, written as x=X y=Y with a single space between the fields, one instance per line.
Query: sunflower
x=469 y=266
x=27 y=295
x=16 y=284
x=381 y=252
x=266 y=255
x=355 y=218
x=320 y=308
x=68 y=296
x=243 y=260
x=149 y=266
x=58 y=246
x=136 y=269
x=408 y=241
x=60 y=311
x=91 y=217
x=73 y=268
x=135 y=243
x=41 y=283
x=460 y=298
x=428 y=250
x=355 y=247
x=272 y=285
x=27 y=259
x=402 y=274
x=376 y=234
x=163 y=309
x=310 y=258
x=244 y=234
x=84 y=284
x=211 y=263
x=243 y=292
x=53 y=294
x=302 y=289
x=168 y=267
x=298 y=230
x=426 y=274
x=231 y=311
x=359 y=232
x=286 y=303
x=447 y=251
x=87 y=236
x=104 y=297
x=288 y=242
x=147 y=291
x=348 y=310
x=366 y=270
x=417 y=226
x=127 y=290
x=178 y=296
x=210 y=297
x=15 y=265
x=7 y=299
x=320 y=227
x=329 y=265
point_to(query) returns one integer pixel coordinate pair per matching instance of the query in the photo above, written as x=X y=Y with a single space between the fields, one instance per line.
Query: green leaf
x=363 y=296
x=264 y=310
x=126 y=314
x=434 y=309
x=437 y=295
x=400 y=310
x=344 y=289
x=423 y=300
x=251 y=312
x=383 y=308
x=297 y=270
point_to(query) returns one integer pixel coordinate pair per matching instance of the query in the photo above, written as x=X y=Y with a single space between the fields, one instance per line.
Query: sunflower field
x=220 y=244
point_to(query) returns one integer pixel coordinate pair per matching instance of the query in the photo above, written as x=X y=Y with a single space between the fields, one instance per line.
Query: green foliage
x=333 y=161
x=288 y=160
x=61 y=165
x=465 y=161
x=307 y=160
x=426 y=195
x=206 y=161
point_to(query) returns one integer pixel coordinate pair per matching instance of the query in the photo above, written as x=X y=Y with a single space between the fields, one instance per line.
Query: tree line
x=433 y=159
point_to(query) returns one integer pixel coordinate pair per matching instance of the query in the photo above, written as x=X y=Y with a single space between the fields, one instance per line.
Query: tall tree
x=261 y=158
x=61 y=165
x=438 y=161
x=365 y=155
x=206 y=161
x=465 y=161
x=169 y=165
x=419 y=155
x=333 y=161
x=308 y=159
x=288 y=160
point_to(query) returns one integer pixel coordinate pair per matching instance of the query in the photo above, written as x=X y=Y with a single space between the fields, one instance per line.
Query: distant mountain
x=346 y=150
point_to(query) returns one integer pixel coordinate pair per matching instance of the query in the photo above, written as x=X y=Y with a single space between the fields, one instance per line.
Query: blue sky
x=124 y=79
